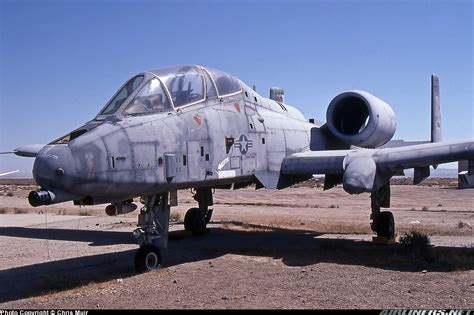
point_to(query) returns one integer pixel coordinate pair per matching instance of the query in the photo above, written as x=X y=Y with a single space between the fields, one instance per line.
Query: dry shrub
x=418 y=244
x=463 y=225
x=175 y=217
x=19 y=211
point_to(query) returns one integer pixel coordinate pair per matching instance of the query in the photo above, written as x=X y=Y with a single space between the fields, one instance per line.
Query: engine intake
x=361 y=119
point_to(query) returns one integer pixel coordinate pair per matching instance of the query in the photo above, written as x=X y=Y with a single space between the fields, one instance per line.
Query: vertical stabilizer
x=436 y=135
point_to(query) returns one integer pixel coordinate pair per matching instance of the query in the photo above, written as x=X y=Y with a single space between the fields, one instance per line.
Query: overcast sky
x=62 y=60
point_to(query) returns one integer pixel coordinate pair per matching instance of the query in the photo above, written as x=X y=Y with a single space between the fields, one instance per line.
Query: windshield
x=151 y=98
x=122 y=95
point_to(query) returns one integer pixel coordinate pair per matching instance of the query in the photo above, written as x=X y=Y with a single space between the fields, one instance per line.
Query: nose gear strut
x=152 y=232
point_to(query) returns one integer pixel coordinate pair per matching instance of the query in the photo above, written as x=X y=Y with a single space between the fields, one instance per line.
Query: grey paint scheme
x=361 y=167
x=120 y=157
x=136 y=144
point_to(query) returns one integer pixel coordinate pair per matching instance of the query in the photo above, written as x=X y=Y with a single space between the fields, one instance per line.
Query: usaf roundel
x=243 y=144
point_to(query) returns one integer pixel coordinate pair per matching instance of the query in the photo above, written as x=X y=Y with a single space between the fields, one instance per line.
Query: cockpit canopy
x=173 y=87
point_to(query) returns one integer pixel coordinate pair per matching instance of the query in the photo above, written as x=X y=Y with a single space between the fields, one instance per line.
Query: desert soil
x=301 y=247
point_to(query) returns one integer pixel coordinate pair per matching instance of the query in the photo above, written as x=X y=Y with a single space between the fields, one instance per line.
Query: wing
x=366 y=170
x=8 y=173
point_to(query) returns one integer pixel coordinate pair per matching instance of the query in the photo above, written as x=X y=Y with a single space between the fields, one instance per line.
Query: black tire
x=386 y=225
x=195 y=221
x=148 y=257
x=209 y=215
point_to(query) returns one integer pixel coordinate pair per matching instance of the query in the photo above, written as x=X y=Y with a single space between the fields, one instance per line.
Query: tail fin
x=436 y=132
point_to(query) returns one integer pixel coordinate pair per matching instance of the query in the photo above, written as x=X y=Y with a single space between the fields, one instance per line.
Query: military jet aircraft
x=194 y=127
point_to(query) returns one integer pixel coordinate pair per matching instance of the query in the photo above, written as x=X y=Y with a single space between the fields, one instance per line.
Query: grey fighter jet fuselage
x=196 y=127
x=216 y=140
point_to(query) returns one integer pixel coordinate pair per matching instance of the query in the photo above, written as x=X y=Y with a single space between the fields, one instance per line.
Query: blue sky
x=62 y=60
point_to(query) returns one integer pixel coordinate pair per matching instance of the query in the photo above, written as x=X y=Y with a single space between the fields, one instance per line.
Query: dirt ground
x=301 y=247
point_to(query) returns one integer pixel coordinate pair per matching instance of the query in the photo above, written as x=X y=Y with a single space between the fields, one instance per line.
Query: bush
x=417 y=244
x=175 y=217
x=463 y=225
x=19 y=211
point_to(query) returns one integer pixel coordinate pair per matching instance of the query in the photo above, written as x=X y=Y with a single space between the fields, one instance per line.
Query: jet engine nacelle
x=361 y=119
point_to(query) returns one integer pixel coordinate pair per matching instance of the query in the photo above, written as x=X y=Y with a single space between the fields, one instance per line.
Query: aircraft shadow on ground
x=95 y=238
x=293 y=247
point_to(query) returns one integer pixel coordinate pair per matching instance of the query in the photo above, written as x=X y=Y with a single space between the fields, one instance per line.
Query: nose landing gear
x=148 y=257
x=152 y=232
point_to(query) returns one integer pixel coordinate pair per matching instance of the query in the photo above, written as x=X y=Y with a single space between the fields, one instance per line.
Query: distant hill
x=26 y=175
x=440 y=172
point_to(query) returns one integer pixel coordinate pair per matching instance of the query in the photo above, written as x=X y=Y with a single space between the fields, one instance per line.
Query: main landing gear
x=152 y=232
x=196 y=219
x=383 y=222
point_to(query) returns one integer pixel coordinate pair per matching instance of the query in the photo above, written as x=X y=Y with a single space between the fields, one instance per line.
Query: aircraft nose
x=54 y=167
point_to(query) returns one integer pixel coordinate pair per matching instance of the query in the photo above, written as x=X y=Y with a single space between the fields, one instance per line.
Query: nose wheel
x=152 y=232
x=148 y=257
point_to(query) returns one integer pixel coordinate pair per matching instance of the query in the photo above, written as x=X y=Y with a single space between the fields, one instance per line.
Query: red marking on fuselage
x=197 y=119
x=237 y=107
